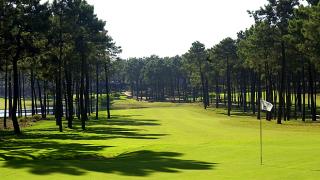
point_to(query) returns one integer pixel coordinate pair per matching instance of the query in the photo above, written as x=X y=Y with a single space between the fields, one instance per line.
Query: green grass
x=163 y=141
x=2 y=103
x=124 y=103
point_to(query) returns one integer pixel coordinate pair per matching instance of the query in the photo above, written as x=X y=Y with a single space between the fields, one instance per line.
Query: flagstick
x=261 y=109
x=265 y=106
x=260 y=141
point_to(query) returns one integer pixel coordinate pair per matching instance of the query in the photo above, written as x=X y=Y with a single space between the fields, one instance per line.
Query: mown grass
x=125 y=103
x=163 y=141
x=2 y=103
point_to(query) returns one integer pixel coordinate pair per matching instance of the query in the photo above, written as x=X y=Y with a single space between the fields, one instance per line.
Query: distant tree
x=226 y=52
x=278 y=13
x=258 y=50
x=197 y=58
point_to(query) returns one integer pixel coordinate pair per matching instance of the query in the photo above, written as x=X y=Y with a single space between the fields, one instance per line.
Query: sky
x=169 y=27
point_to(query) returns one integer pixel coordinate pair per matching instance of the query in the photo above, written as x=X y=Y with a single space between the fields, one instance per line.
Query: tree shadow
x=124 y=107
x=6 y=133
x=239 y=113
x=91 y=133
x=139 y=163
x=49 y=150
x=38 y=151
x=127 y=120
x=102 y=129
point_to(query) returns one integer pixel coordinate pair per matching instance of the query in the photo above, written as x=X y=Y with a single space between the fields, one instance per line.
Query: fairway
x=171 y=141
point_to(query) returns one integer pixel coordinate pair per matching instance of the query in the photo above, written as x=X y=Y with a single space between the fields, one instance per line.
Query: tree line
x=54 y=52
x=276 y=59
x=61 y=53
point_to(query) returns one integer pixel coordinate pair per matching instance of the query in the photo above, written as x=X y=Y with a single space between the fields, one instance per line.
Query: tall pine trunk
x=68 y=76
x=32 y=89
x=44 y=100
x=244 y=91
x=86 y=92
x=206 y=91
x=83 y=110
x=23 y=95
x=288 y=99
x=5 y=96
x=10 y=94
x=19 y=99
x=40 y=99
x=311 y=92
x=303 y=93
x=217 y=90
x=253 y=92
x=35 y=99
x=204 y=98
x=259 y=96
x=97 y=91
x=59 y=105
x=282 y=83
x=107 y=90
x=15 y=89
x=229 y=87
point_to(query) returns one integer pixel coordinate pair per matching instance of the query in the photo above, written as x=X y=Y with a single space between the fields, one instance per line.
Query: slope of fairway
x=168 y=141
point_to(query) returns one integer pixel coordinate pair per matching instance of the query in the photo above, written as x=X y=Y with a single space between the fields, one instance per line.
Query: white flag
x=265 y=105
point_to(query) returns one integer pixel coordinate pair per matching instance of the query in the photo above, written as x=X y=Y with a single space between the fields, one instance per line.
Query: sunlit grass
x=163 y=141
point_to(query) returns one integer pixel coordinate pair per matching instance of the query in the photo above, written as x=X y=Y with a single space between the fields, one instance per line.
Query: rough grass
x=163 y=141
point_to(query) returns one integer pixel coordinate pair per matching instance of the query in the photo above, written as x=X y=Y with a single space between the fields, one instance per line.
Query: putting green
x=164 y=141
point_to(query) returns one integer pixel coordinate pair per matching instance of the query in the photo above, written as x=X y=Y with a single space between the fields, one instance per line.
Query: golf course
x=159 y=90
x=163 y=141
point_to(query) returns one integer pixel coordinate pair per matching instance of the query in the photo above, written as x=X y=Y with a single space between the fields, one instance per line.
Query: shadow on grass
x=102 y=129
x=124 y=107
x=236 y=112
x=5 y=133
x=127 y=120
x=35 y=150
x=91 y=133
x=140 y=163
